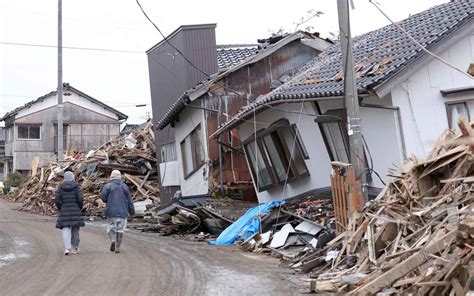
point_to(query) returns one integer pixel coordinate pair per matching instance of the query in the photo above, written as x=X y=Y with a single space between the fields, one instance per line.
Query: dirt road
x=32 y=263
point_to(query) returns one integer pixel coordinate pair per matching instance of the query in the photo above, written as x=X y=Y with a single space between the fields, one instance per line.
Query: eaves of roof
x=66 y=87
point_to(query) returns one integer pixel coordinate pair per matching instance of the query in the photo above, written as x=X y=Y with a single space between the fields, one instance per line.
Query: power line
x=208 y=75
x=418 y=43
x=172 y=45
x=70 y=47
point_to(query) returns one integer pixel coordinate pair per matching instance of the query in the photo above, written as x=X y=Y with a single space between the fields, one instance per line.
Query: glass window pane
x=295 y=151
x=186 y=155
x=199 y=148
x=22 y=132
x=300 y=143
x=168 y=152
x=189 y=158
x=34 y=132
x=335 y=141
x=262 y=176
x=455 y=112
x=274 y=156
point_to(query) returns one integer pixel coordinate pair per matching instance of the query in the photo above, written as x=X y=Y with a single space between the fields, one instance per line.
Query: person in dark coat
x=69 y=200
x=119 y=205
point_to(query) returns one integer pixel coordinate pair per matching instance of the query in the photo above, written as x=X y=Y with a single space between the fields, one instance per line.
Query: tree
x=304 y=20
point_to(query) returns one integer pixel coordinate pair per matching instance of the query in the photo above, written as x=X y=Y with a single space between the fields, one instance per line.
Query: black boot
x=119 y=242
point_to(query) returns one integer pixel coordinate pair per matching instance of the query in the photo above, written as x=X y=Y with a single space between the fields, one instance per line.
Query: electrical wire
x=70 y=47
x=204 y=72
x=371 y=168
x=419 y=44
x=171 y=44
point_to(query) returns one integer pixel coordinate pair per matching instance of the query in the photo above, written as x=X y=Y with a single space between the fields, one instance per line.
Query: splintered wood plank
x=354 y=240
x=457 y=288
x=403 y=268
x=465 y=131
x=461 y=169
x=435 y=166
x=458 y=149
x=371 y=243
x=136 y=183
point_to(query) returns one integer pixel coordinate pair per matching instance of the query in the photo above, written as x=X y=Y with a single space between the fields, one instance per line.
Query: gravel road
x=32 y=263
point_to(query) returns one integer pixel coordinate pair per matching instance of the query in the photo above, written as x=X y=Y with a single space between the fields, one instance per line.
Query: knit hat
x=68 y=176
x=115 y=175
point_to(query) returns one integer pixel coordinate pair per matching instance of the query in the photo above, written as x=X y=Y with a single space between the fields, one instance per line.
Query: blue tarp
x=246 y=226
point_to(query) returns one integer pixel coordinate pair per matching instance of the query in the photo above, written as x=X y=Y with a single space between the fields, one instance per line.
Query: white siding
x=169 y=172
x=197 y=183
x=381 y=131
x=423 y=108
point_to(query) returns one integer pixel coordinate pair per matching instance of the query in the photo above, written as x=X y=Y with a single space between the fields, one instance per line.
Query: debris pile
x=298 y=225
x=194 y=216
x=416 y=237
x=132 y=154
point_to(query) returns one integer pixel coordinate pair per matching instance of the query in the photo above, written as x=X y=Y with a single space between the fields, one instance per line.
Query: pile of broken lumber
x=133 y=154
x=415 y=238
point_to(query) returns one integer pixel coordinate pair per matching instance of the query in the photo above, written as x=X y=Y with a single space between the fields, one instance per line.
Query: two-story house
x=31 y=130
x=202 y=166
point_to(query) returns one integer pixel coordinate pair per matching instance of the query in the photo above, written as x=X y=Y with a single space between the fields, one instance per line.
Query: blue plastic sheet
x=246 y=226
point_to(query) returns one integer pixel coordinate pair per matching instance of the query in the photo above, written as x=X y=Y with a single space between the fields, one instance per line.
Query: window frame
x=28 y=137
x=457 y=102
x=341 y=115
x=196 y=133
x=162 y=154
x=276 y=134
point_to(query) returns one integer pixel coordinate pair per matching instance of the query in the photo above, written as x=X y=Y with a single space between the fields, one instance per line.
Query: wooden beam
x=401 y=269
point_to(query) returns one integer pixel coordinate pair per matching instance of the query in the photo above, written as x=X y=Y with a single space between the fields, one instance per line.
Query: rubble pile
x=133 y=154
x=415 y=238
x=298 y=225
x=198 y=219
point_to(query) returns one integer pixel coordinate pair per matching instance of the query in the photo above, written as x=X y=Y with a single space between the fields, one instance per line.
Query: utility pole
x=351 y=99
x=60 y=82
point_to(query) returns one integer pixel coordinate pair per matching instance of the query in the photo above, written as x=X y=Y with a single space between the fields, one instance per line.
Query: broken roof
x=378 y=56
x=268 y=47
x=233 y=54
x=66 y=87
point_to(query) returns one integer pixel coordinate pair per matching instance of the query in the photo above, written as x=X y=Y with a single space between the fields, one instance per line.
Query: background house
x=31 y=130
x=407 y=98
x=201 y=165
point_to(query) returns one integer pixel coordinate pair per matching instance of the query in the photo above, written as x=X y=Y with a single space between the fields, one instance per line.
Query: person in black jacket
x=119 y=205
x=69 y=200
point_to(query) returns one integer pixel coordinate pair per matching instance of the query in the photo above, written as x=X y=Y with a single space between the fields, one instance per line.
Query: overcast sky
x=121 y=79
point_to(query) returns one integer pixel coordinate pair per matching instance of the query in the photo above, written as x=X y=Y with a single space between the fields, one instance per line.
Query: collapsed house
x=291 y=135
x=203 y=166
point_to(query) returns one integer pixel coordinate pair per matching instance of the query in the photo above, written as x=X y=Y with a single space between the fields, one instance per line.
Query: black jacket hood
x=69 y=185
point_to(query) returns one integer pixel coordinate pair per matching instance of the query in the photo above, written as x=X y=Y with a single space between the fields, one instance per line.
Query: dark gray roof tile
x=378 y=55
x=229 y=56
